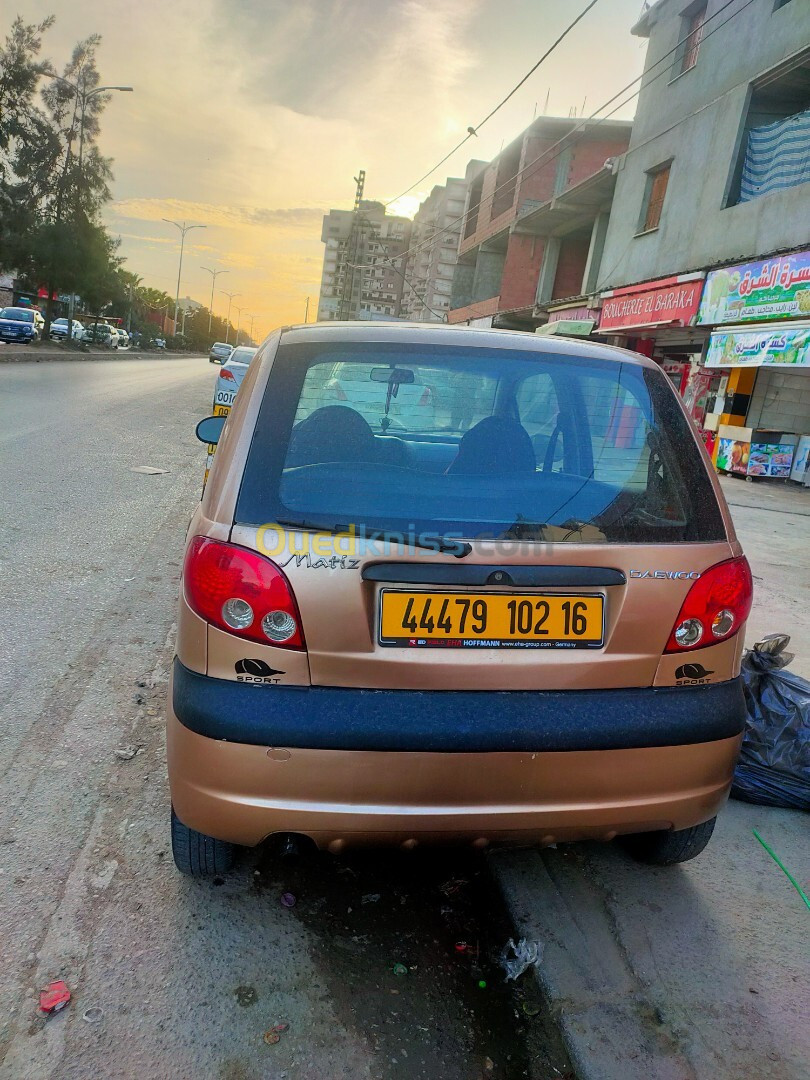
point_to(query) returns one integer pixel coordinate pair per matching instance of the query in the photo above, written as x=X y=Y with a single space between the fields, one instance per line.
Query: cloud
x=364 y=59
x=209 y=214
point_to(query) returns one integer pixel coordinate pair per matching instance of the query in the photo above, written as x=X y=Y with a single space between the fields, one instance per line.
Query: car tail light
x=241 y=592
x=225 y=374
x=715 y=607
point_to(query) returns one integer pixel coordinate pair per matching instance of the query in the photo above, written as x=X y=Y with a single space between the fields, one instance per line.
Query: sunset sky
x=252 y=116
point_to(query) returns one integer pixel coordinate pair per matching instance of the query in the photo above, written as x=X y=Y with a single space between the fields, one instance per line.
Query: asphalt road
x=173 y=978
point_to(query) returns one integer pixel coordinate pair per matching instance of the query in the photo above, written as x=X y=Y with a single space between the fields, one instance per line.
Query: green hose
x=783 y=868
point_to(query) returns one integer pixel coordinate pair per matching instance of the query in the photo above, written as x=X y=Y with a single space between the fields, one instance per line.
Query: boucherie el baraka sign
x=673 y=301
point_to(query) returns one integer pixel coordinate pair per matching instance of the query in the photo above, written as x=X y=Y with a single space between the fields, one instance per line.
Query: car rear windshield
x=16 y=315
x=475 y=443
x=242 y=355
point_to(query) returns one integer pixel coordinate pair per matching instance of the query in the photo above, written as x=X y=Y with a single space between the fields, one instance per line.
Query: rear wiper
x=459 y=548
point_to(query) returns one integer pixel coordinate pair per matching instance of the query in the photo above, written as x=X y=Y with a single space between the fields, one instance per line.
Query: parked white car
x=229 y=379
x=59 y=330
x=101 y=333
x=230 y=376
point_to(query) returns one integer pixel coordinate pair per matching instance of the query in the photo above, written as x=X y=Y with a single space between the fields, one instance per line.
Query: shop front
x=657 y=319
x=758 y=314
x=774 y=437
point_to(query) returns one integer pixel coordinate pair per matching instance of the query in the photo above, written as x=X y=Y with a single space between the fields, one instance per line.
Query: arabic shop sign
x=779 y=345
x=775 y=288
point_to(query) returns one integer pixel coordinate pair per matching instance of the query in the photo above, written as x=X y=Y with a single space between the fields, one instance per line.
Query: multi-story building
x=434 y=249
x=504 y=259
x=363 y=276
x=715 y=188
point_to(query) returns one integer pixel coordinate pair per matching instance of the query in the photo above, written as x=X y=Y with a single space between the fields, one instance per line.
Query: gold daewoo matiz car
x=454 y=585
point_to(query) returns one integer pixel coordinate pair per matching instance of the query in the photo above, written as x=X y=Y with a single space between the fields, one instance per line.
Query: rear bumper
x=452 y=721
x=345 y=798
x=246 y=790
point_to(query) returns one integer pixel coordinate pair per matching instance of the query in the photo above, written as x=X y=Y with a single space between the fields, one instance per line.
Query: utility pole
x=352 y=250
x=238 y=322
x=183 y=230
x=214 y=275
x=230 y=296
x=252 y=317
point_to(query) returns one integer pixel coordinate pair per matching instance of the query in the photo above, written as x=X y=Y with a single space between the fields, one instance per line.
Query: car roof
x=402 y=333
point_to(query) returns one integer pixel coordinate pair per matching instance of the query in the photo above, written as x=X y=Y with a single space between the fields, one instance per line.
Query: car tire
x=197 y=854
x=671 y=846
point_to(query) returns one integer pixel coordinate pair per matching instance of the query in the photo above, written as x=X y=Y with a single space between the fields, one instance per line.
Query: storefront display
x=752 y=452
x=801 y=462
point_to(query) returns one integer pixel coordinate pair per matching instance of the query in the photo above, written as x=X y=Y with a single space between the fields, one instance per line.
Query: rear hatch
x=536 y=523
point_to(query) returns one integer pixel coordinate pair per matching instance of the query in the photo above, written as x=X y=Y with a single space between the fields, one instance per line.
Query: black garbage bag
x=774 y=765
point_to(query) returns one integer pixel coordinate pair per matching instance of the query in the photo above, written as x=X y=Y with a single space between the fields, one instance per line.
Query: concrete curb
x=28 y=354
x=612 y=1027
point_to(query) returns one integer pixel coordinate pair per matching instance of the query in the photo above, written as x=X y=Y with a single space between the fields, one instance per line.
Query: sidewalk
x=702 y=971
x=773 y=525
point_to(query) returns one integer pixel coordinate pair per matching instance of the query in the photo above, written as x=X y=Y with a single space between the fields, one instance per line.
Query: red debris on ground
x=54 y=997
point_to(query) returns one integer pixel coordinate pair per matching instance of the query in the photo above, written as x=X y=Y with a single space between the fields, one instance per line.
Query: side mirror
x=209 y=430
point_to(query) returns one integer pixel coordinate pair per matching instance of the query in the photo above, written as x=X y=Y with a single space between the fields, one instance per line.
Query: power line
x=566 y=140
x=471 y=131
x=545 y=56
x=569 y=138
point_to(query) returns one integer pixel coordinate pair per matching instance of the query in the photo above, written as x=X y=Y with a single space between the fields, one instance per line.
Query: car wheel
x=197 y=854
x=670 y=846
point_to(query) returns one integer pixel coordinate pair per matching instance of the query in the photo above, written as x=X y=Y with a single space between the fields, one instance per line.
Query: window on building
x=476 y=187
x=773 y=153
x=654 y=195
x=691 y=36
x=506 y=178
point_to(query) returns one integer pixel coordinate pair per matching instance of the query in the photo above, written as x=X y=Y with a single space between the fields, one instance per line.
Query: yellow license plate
x=219 y=410
x=493 y=620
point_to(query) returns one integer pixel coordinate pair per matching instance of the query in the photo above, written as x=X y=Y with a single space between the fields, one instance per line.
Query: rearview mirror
x=209 y=430
x=396 y=376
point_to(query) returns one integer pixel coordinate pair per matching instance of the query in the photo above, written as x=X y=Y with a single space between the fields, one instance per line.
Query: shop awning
x=666 y=302
x=783 y=345
x=567 y=328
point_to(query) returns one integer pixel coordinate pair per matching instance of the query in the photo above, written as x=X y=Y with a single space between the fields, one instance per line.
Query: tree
x=49 y=200
x=29 y=147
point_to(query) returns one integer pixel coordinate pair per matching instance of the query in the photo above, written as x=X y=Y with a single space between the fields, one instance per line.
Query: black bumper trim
x=456 y=721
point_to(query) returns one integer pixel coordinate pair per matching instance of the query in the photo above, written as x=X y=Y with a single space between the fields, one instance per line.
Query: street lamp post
x=82 y=96
x=214 y=275
x=85 y=97
x=230 y=296
x=183 y=230
x=252 y=317
x=238 y=322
